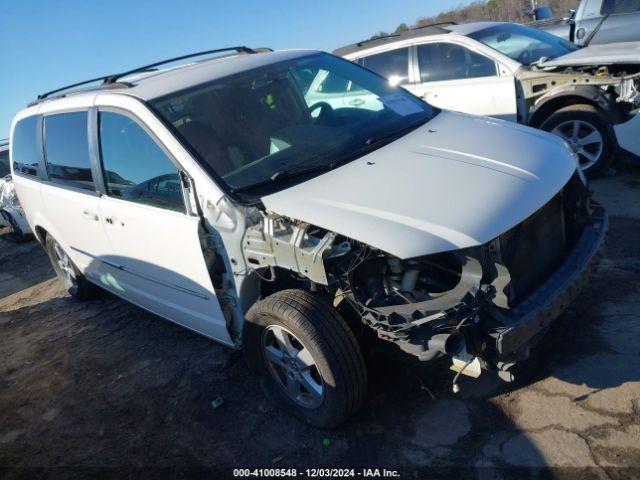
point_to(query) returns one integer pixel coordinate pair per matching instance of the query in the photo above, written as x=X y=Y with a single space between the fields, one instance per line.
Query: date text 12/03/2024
x=316 y=473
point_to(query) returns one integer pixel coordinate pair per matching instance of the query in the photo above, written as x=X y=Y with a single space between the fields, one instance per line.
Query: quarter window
x=448 y=61
x=24 y=146
x=393 y=65
x=66 y=147
x=135 y=168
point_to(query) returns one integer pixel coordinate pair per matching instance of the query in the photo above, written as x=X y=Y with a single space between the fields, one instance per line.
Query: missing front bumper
x=531 y=317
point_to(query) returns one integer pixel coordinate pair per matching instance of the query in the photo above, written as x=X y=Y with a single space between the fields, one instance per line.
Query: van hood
x=595 y=55
x=458 y=181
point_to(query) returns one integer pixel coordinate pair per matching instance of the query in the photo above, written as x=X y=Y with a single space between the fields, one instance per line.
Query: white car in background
x=221 y=196
x=588 y=96
x=11 y=213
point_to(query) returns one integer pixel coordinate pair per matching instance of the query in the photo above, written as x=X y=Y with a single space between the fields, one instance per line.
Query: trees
x=494 y=10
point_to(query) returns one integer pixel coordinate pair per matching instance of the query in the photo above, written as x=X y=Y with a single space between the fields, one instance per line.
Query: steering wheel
x=326 y=111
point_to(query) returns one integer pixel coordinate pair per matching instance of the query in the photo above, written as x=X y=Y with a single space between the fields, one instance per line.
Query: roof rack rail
x=438 y=24
x=392 y=35
x=373 y=39
x=111 y=79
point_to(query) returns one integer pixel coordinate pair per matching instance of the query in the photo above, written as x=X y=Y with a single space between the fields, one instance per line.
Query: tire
x=74 y=282
x=594 y=157
x=328 y=357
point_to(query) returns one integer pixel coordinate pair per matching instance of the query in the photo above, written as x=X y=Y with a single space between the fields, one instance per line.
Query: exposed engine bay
x=614 y=88
x=453 y=303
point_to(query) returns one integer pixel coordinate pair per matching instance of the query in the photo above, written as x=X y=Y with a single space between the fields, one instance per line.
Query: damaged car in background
x=589 y=96
x=271 y=220
x=11 y=214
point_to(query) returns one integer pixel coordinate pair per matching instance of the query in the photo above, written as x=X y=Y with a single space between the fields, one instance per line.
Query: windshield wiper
x=593 y=33
x=285 y=174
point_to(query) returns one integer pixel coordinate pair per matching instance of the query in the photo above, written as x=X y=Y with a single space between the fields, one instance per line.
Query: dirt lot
x=92 y=387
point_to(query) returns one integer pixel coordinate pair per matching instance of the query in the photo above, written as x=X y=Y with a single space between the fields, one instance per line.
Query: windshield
x=524 y=44
x=264 y=127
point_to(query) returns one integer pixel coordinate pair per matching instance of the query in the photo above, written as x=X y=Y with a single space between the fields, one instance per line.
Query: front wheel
x=312 y=361
x=588 y=133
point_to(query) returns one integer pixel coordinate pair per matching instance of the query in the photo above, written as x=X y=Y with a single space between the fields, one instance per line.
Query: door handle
x=356 y=102
x=113 y=221
x=90 y=215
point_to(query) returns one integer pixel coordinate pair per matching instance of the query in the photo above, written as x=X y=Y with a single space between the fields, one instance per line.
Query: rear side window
x=448 y=61
x=393 y=65
x=24 y=146
x=66 y=147
x=135 y=168
x=620 y=6
x=4 y=163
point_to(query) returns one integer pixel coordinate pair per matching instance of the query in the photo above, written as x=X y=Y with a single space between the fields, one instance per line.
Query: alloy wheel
x=293 y=367
x=584 y=138
x=65 y=267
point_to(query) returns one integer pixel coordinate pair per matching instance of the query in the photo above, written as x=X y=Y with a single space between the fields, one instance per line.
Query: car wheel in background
x=312 y=361
x=588 y=132
x=74 y=282
x=15 y=235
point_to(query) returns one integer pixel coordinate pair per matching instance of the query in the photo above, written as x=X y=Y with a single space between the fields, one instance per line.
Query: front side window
x=448 y=61
x=4 y=164
x=393 y=65
x=620 y=6
x=66 y=147
x=265 y=127
x=524 y=44
x=24 y=145
x=134 y=167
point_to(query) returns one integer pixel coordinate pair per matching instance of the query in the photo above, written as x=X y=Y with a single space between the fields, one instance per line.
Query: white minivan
x=223 y=196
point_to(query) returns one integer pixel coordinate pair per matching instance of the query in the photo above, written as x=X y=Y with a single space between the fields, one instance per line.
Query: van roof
x=148 y=84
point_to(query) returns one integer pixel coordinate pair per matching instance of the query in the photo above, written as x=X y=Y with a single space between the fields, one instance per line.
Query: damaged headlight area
x=457 y=303
x=421 y=304
x=469 y=304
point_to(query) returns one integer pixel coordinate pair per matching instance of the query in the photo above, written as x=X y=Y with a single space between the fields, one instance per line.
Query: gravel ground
x=104 y=388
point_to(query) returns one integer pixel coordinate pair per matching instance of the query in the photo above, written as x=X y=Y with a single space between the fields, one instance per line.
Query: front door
x=454 y=77
x=156 y=259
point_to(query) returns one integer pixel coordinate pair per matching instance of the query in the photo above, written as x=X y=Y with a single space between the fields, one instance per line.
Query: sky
x=48 y=44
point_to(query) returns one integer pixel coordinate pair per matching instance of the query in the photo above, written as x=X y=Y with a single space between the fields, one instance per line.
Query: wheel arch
x=573 y=95
x=40 y=233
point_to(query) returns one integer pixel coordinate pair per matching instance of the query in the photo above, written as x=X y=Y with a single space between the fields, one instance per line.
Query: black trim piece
x=94 y=151
x=122 y=268
x=42 y=163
